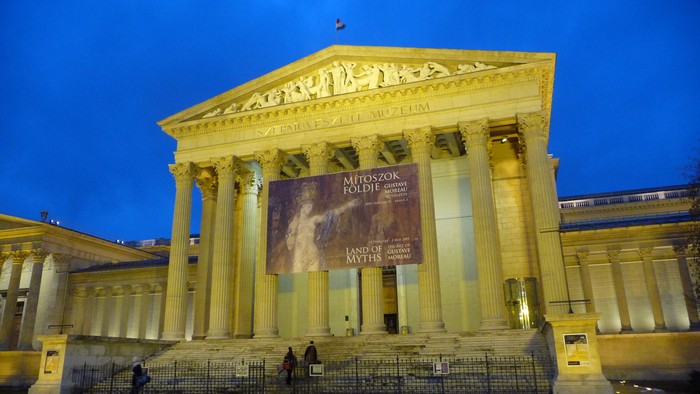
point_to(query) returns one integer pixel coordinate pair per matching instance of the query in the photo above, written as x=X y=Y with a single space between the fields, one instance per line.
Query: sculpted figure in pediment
x=322 y=89
x=231 y=109
x=215 y=112
x=391 y=74
x=369 y=78
x=340 y=78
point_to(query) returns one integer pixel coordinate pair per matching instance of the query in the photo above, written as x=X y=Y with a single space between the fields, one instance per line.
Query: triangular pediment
x=338 y=71
x=11 y=223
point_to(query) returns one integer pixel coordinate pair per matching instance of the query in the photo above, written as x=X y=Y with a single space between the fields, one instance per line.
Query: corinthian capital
x=270 y=160
x=226 y=167
x=250 y=181
x=420 y=140
x=367 y=146
x=475 y=133
x=184 y=173
x=319 y=152
x=534 y=124
x=208 y=184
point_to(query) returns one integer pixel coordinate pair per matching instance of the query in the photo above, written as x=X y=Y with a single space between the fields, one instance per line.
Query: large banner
x=356 y=219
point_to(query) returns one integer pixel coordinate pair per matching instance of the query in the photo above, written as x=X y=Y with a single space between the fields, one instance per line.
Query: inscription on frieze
x=330 y=121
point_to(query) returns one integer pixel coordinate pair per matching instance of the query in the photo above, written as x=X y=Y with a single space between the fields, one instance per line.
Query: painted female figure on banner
x=308 y=231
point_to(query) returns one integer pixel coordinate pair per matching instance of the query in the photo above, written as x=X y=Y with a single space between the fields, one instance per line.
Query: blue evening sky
x=83 y=84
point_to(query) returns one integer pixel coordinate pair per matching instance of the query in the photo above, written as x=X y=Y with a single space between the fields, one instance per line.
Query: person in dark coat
x=310 y=356
x=290 y=362
x=137 y=371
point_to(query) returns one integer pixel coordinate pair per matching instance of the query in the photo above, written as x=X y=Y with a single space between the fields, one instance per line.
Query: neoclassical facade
x=476 y=126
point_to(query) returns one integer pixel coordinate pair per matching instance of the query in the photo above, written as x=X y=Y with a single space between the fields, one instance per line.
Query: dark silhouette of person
x=310 y=356
x=290 y=362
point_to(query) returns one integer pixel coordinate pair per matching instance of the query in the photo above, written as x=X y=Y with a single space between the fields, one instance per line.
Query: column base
x=173 y=336
x=266 y=333
x=660 y=329
x=495 y=324
x=431 y=326
x=373 y=329
x=586 y=384
x=219 y=334
x=319 y=332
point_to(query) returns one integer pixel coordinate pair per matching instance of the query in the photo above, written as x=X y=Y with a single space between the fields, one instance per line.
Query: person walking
x=290 y=362
x=137 y=371
x=310 y=356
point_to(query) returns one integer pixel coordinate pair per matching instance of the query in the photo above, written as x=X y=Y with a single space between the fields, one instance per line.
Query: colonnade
x=219 y=245
x=127 y=311
x=650 y=283
x=38 y=257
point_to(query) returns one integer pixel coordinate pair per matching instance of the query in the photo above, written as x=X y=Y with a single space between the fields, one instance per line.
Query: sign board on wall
x=355 y=219
x=577 y=351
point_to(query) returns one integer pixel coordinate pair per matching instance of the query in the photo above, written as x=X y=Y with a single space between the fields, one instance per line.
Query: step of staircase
x=492 y=343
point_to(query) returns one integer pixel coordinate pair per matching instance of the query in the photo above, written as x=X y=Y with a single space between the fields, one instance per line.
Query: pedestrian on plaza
x=290 y=362
x=310 y=356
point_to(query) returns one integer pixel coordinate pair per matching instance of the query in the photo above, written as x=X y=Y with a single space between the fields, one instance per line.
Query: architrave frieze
x=261 y=119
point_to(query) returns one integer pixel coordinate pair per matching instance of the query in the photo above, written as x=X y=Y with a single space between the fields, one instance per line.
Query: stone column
x=318 y=155
x=58 y=310
x=26 y=334
x=620 y=293
x=77 y=311
x=582 y=256
x=265 y=310
x=534 y=127
x=162 y=288
x=8 y=314
x=208 y=186
x=486 y=238
x=175 y=317
x=653 y=289
x=144 y=302
x=245 y=276
x=219 y=324
x=107 y=311
x=127 y=308
x=367 y=149
x=421 y=142
x=691 y=305
x=88 y=313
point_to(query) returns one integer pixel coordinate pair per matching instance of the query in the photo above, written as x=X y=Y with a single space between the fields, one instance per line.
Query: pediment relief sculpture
x=344 y=77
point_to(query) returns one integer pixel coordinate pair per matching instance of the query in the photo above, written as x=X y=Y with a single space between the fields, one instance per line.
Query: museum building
x=435 y=159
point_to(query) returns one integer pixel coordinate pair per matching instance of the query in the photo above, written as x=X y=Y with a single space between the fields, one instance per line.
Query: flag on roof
x=339 y=25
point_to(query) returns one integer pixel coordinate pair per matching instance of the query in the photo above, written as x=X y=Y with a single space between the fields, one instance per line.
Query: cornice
x=357 y=101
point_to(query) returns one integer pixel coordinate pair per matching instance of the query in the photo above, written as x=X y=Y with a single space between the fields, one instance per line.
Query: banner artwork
x=356 y=219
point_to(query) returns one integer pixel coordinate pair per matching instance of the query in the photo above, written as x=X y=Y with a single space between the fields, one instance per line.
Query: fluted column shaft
x=208 y=187
x=175 y=314
x=245 y=275
x=265 y=311
x=107 y=311
x=421 y=142
x=488 y=250
x=26 y=334
x=89 y=312
x=367 y=149
x=127 y=308
x=59 y=295
x=318 y=155
x=534 y=127
x=78 y=313
x=653 y=289
x=691 y=305
x=586 y=283
x=219 y=323
x=620 y=293
x=8 y=313
x=144 y=302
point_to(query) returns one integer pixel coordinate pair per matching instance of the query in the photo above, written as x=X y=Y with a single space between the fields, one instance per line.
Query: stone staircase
x=191 y=358
x=451 y=345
